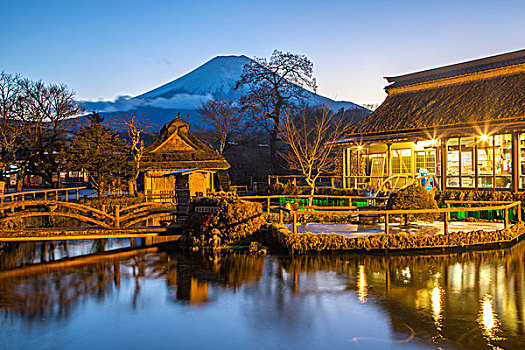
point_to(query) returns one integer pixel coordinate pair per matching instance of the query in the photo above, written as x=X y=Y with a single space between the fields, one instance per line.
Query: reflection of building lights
x=488 y=320
x=484 y=138
x=436 y=306
x=361 y=284
x=359 y=147
x=488 y=317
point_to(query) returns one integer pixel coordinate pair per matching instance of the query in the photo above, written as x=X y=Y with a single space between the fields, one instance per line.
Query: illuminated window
x=402 y=161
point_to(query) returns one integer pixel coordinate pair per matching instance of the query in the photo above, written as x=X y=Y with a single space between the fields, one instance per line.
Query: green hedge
x=290 y=189
x=278 y=237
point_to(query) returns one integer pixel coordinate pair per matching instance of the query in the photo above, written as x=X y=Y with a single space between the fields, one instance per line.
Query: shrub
x=234 y=221
x=111 y=201
x=413 y=197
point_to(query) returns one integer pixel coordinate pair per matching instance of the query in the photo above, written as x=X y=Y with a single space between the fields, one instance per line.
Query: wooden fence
x=374 y=208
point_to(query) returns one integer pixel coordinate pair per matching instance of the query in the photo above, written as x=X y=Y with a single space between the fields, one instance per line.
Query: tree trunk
x=311 y=198
x=20 y=179
x=132 y=186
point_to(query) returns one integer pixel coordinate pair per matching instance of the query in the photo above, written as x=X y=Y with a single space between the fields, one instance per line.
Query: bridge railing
x=55 y=194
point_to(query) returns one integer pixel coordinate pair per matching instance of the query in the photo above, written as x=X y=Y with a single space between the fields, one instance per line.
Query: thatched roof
x=467 y=95
x=177 y=148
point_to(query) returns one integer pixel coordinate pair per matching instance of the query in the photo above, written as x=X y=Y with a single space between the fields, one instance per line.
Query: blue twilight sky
x=103 y=49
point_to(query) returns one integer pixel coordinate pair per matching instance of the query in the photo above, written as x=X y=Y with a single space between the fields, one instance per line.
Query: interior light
x=359 y=147
x=484 y=137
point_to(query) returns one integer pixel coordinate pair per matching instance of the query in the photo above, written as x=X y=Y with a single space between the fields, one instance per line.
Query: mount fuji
x=214 y=80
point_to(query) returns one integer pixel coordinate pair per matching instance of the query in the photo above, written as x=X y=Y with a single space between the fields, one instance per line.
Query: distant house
x=464 y=122
x=177 y=159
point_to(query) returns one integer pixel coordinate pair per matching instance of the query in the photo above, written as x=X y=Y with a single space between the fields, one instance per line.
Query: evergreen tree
x=99 y=151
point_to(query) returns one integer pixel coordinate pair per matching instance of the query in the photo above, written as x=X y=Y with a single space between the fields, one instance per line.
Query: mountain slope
x=214 y=79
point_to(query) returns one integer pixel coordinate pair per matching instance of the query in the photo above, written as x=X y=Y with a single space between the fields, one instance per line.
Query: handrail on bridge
x=47 y=194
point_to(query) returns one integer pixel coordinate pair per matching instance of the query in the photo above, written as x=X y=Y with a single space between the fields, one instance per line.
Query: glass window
x=453 y=162
x=522 y=160
x=485 y=162
x=426 y=160
x=503 y=161
x=467 y=161
x=401 y=161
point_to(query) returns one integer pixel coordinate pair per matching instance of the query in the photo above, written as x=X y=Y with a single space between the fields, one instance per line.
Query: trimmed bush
x=413 y=197
x=234 y=221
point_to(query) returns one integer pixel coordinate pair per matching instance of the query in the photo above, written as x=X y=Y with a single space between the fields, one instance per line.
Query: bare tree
x=12 y=127
x=222 y=121
x=272 y=86
x=135 y=126
x=311 y=137
x=49 y=114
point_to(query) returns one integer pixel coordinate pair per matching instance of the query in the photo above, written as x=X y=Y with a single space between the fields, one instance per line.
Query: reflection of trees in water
x=429 y=292
x=425 y=292
x=52 y=289
x=191 y=274
x=13 y=255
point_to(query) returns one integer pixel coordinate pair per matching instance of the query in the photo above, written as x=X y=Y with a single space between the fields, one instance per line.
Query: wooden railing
x=55 y=194
x=387 y=214
x=11 y=212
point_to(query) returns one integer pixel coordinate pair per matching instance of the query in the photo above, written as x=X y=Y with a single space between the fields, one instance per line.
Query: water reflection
x=467 y=300
x=362 y=284
x=488 y=321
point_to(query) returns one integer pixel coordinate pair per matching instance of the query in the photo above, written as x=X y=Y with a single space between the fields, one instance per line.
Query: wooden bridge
x=17 y=209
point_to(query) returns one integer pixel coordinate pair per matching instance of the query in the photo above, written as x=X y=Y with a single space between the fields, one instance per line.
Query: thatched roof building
x=177 y=151
x=464 y=121
x=464 y=95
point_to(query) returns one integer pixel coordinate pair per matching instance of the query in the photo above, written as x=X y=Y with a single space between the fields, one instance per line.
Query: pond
x=118 y=294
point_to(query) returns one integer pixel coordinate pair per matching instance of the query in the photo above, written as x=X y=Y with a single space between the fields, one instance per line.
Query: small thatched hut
x=177 y=158
x=464 y=122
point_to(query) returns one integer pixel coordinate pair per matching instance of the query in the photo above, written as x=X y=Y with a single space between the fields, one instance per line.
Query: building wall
x=481 y=162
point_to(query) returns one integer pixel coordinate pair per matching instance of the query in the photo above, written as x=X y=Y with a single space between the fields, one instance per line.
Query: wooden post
x=387 y=231
x=117 y=216
x=445 y=223
x=45 y=196
x=506 y=218
x=77 y=194
x=268 y=206
x=294 y=223
x=67 y=196
x=103 y=208
x=448 y=211
x=519 y=211
x=281 y=216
